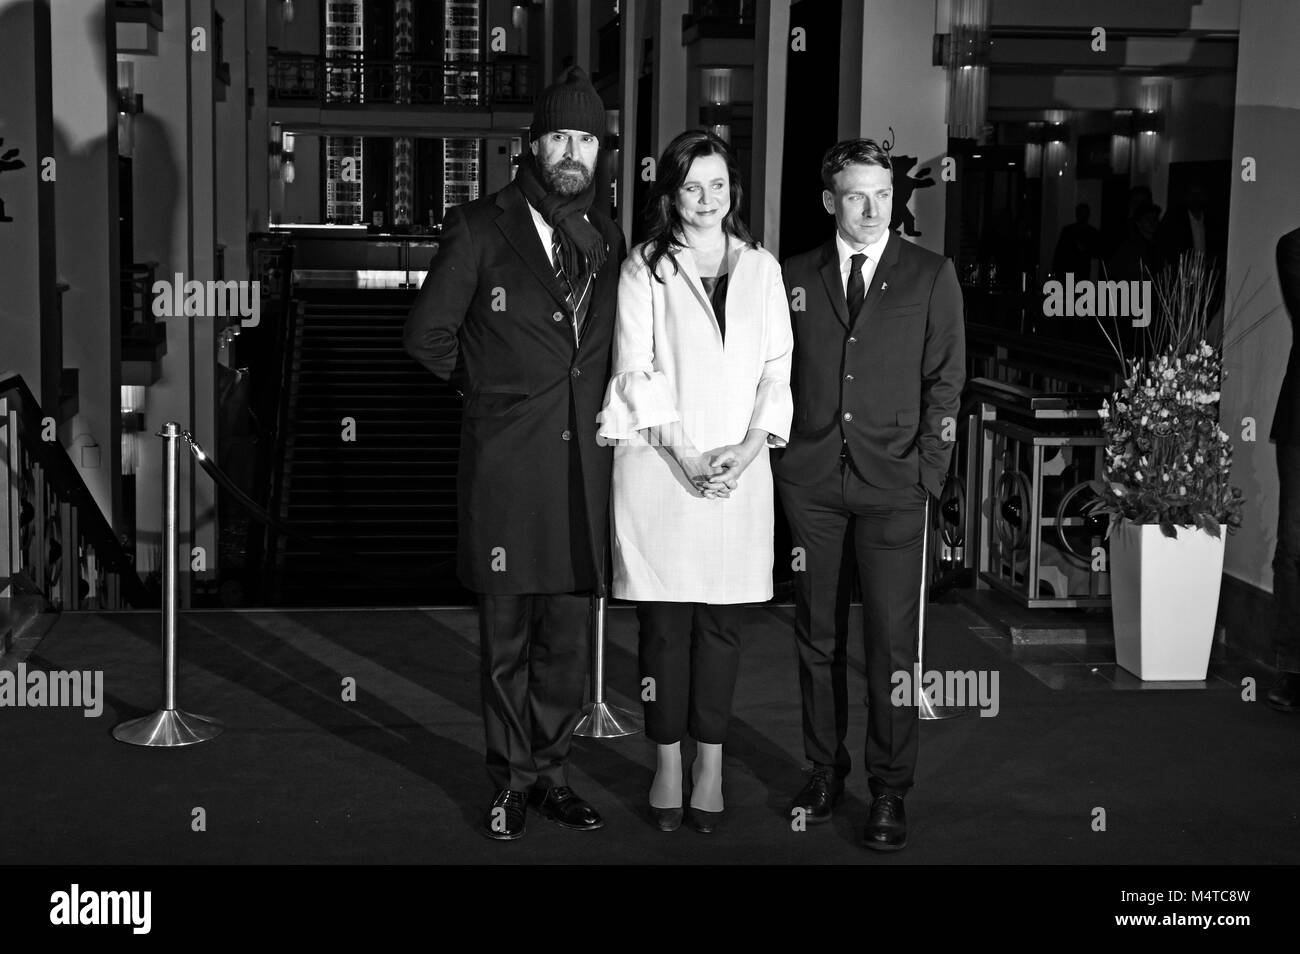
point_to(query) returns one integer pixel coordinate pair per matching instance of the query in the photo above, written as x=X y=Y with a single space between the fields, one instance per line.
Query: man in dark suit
x=879 y=365
x=1285 y=694
x=518 y=311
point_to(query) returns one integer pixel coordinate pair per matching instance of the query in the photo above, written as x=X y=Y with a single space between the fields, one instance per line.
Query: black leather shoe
x=507 y=817
x=1285 y=694
x=666 y=819
x=562 y=805
x=887 y=824
x=702 y=821
x=819 y=796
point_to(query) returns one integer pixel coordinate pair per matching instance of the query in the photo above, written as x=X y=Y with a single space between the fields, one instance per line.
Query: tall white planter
x=1164 y=599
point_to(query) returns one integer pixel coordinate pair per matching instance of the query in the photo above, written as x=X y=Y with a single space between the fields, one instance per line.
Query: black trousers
x=533 y=652
x=692 y=652
x=836 y=520
x=1286 y=560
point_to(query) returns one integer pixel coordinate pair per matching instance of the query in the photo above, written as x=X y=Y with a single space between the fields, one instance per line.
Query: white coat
x=670 y=543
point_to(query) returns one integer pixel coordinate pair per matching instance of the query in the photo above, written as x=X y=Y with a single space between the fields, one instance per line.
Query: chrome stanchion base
x=929 y=712
x=600 y=720
x=168 y=727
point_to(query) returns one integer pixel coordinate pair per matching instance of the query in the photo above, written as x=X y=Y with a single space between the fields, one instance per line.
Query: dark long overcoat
x=532 y=480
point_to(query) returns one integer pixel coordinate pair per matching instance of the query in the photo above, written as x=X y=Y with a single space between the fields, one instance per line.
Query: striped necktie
x=574 y=297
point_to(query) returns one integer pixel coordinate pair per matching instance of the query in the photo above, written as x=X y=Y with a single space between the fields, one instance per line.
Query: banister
x=59 y=472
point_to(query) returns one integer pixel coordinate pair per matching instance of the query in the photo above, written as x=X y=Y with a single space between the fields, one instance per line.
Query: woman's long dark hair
x=663 y=223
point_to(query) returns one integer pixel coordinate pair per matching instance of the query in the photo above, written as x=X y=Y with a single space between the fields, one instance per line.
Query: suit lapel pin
x=884 y=286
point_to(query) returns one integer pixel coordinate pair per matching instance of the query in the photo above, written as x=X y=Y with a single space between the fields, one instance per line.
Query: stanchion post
x=169 y=726
x=600 y=720
x=927 y=711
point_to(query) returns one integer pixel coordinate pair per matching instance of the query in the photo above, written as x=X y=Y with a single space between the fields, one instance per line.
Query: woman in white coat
x=700 y=390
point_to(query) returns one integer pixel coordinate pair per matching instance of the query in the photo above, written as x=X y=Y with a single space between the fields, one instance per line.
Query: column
x=84 y=97
x=886 y=71
x=1266 y=135
x=771 y=50
x=28 y=308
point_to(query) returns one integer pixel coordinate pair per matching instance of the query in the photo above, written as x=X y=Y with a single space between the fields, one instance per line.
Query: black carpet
x=1183 y=776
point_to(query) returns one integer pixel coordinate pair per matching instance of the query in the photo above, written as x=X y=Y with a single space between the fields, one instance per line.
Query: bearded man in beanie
x=517 y=311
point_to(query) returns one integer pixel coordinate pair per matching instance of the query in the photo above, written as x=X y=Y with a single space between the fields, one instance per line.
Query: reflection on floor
x=304 y=775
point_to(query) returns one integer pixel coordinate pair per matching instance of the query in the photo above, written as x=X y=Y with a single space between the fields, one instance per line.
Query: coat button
x=848 y=377
x=576 y=372
x=566 y=435
x=848 y=415
x=853 y=340
x=558 y=316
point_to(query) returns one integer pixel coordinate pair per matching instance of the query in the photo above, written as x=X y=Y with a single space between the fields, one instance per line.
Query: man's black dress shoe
x=563 y=806
x=1285 y=694
x=887 y=824
x=507 y=817
x=819 y=796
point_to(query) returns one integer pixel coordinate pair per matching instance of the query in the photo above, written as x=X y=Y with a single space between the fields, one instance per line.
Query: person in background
x=1078 y=246
x=1285 y=694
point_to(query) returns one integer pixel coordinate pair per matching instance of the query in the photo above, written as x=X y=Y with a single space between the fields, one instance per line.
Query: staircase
x=388 y=495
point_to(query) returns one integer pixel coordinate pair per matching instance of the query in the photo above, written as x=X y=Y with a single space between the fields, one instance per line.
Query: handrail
x=287 y=312
x=73 y=509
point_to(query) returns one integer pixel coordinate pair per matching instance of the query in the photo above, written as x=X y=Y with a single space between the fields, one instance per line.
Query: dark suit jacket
x=1286 y=419
x=532 y=484
x=885 y=382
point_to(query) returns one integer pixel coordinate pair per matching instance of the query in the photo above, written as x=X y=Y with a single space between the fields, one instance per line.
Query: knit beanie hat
x=571 y=102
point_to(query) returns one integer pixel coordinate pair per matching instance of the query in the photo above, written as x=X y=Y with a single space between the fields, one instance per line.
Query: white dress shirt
x=846 y=253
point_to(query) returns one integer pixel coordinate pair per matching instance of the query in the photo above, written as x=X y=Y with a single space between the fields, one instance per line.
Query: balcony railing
x=719 y=19
x=144 y=338
x=357 y=80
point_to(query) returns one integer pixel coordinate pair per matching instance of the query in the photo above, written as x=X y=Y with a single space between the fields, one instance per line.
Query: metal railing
x=54 y=539
x=357 y=79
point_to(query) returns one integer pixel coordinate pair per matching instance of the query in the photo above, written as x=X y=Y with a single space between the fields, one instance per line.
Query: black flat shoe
x=666 y=819
x=702 y=821
x=1285 y=694
x=507 y=816
x=563 y=806
x=886 y=825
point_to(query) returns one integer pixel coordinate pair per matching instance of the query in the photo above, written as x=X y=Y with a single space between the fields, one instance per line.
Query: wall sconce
x=1148 y=124
x=275 y=150
x=129 y=105
x=286 y=11
x=715 y=101
x=1121 y=140
x=286 y=159
x=1057 y=132
x=965 y=53
x=1149 y=121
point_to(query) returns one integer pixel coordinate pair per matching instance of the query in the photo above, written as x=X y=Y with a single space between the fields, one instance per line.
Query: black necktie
x=857 y=290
